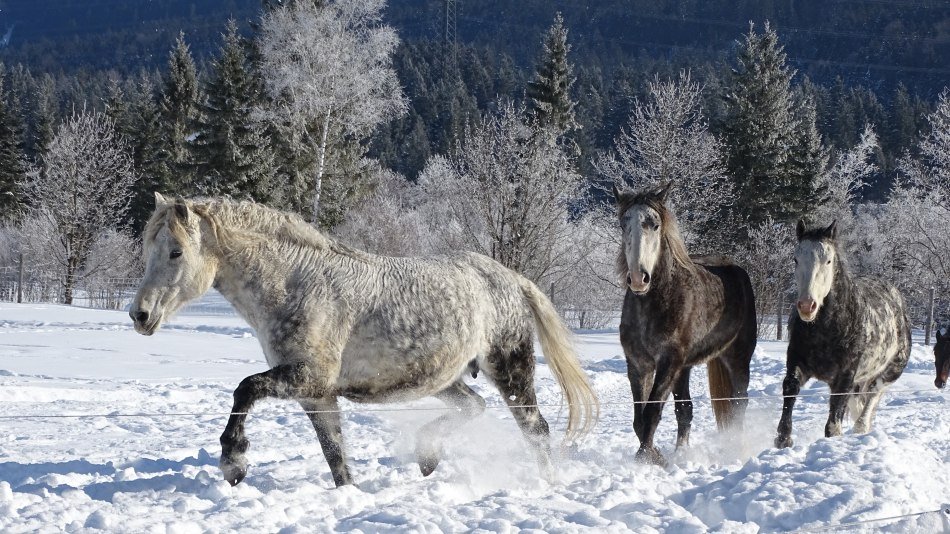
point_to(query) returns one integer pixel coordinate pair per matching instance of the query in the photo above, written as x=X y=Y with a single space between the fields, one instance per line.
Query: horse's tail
x=582 y=406
x=720 y=387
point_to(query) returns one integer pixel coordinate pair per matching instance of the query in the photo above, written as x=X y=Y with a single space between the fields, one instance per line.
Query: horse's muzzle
x=807 y=309
x=639 y=284
x=144 y=323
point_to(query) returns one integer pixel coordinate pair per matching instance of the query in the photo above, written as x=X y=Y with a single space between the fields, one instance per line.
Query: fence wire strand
x=493 y=407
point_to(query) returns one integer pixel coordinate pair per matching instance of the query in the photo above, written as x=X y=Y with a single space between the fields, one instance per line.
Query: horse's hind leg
x=863 y=421
x=513 y=375
x=683 y=407
x=324 y=414
x=428 y=442
x=289 y=381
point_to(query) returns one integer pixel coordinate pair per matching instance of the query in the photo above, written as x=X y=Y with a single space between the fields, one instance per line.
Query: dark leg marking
x=790 y=388
x=838 y=404
x=428 y=442
x=513 y=375
x=683 y=407
x=662 y=384
x=324 y=414
x=641 y=383
x=290 y=381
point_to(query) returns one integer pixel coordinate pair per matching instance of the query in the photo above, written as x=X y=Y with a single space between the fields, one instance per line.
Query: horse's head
x=815 y=263
x=179 y=264
x=644 y=220
x=942 y=358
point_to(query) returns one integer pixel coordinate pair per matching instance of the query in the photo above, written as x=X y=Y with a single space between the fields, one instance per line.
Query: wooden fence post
x=19 y=285
x=779 y=299
x=930 y=316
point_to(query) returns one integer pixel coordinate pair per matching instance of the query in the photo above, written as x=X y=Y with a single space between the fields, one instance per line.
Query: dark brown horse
x=679 y=312
x=942 y=358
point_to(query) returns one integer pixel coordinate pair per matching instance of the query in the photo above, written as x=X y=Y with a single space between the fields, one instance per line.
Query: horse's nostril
x=629 y=279
x=141 y=317
x=646 y=277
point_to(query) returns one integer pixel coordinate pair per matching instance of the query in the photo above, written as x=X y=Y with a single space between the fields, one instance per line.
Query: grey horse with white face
x=850 y=332
x=337 y=322
x=679 y=311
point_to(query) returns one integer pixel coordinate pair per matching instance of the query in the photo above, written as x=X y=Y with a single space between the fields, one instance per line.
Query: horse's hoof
x=234 y=470
x=783 y=442
x=651 y=456
x=427 y=464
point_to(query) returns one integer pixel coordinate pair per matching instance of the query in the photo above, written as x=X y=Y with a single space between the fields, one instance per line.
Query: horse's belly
x=387 y=376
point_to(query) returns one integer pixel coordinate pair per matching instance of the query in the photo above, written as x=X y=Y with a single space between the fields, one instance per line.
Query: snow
x=145 y=460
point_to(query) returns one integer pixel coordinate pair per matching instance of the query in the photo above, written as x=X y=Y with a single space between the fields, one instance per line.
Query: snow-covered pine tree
x=549 y=93
x=178 y=105
x=807 y=163
x=231 y=153
x=145 y=131
x=45 y=116
x=12 y=160
x=759 y=127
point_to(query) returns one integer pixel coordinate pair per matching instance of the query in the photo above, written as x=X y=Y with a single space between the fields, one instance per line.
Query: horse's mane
x=241 y=224
x=672 y=240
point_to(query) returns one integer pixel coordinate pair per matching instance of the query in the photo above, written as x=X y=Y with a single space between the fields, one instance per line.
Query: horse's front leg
x=640 y=373
x=841 y=389
x=683 y=408
x=790 y=388
x=324 y=414
x=289 y=381
x=662 y=384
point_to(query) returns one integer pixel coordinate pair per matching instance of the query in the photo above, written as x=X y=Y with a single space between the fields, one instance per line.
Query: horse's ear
x=664 y=191
x=616 y=192
x=159 y=200
x=181 y=210
x=832 y=230
x=800 y=229
x=938 y=335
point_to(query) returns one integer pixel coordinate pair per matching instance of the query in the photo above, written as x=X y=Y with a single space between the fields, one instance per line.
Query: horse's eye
x=795 y=260
x=175 y=254
x=828 y=262
x=656 y=227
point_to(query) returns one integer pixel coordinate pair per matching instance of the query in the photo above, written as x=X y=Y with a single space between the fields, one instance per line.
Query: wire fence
x=828 y=527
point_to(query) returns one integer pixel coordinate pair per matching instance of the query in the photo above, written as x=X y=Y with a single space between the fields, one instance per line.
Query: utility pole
x=450 y=66
x=19 y=285
x=930 y=316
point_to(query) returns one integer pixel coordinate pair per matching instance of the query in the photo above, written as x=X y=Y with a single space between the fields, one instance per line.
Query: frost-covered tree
x=667 y=139
x=931 y=170
x=232 y=155
x=770 y=155
x=80 y=194
x=767 y=258
x=507 y=190
x=549 y=93
x=839 y=185
x=178 y=107
x=917 y=215
x=327 y=69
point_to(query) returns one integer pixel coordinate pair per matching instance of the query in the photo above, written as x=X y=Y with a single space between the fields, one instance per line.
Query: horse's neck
x=669 y=280
x=255 y=279
x=843 y=296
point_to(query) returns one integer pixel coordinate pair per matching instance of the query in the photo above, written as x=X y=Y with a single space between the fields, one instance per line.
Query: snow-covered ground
x=145 y=456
